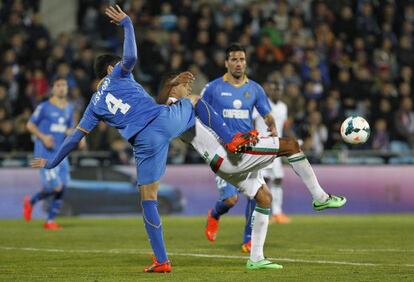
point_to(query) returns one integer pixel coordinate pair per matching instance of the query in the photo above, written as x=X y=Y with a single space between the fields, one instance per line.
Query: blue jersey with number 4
x=235 y=103
x=54 y=121
x=120 y=102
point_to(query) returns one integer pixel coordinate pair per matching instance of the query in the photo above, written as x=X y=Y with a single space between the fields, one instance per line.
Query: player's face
x=236 y=64
x=60 y=88
x=275 y=91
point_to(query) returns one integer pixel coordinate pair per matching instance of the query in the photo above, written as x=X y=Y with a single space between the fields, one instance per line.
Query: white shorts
x=274 y=171
x=247 y=183
x=243 y=170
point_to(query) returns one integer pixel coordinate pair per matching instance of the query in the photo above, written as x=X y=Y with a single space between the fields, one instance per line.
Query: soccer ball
x=355 y=130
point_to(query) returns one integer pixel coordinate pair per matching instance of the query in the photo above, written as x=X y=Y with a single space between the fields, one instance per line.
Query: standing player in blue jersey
x=50 y=123
x=234 y=96
x=123 y=103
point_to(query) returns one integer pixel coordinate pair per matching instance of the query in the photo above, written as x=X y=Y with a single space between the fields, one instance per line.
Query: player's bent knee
x=289 y=146
x=57 y=189
x=231 y=201
x=149 y=191
x=263 y=197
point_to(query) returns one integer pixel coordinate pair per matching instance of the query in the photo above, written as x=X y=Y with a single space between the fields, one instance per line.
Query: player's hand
x=48 y=141
x=115 y=14
x=273 y=131
x=182 y=78
x=82 y=144
x=38 y=163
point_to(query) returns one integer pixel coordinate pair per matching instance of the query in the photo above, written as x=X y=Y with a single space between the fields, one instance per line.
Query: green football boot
x=332 y=202
x=262 y=264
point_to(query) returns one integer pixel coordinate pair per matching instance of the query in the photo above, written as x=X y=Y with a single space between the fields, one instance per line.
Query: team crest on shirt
x=247 y=94
x=237 y=104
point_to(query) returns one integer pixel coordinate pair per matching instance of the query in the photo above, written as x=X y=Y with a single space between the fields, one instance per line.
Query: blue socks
x=153 y=226
x=220 y=209
x=40 y=196
x=213 y=120
x=56 y=204
x=247 y=236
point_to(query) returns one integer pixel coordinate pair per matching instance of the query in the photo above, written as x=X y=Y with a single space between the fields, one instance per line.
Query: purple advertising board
x=369 y=189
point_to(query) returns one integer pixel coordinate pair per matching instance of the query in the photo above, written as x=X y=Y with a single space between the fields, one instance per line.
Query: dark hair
x=58 y=77
x=234 y=47
x=168 y=77
x=102 y=62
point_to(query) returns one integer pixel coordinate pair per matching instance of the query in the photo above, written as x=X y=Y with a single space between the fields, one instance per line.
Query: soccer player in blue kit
x=50 y=123
x=234 y=96
x=123 y=103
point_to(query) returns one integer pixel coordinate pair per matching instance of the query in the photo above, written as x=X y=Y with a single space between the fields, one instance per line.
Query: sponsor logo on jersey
x=59 y=127
x=226 y=94
x=237 y=114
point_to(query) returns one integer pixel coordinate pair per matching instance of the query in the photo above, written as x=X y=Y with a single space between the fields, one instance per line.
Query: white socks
x=302 y=167
x=277 y=195
x=260 y=222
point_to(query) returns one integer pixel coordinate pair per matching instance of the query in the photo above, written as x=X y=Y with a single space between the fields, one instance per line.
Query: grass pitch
x=311 y=248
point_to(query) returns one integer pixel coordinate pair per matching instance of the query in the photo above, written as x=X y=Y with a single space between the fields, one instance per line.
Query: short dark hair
x=58 y=77
x=102 y=62
x=166 y=78
x=234 y=47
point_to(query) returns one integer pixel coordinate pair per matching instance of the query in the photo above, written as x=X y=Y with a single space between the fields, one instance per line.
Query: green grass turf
x=116 y=249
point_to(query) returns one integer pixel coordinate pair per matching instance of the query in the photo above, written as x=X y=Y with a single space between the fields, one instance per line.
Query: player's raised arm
x=129 y=56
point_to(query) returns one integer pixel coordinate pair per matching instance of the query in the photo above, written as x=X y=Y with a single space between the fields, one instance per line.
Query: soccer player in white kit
x=273 y=174
x=243 y=171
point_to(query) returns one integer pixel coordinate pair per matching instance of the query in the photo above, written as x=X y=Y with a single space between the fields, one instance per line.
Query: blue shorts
x=226 y=190
x=55 y=178
x=152 y=143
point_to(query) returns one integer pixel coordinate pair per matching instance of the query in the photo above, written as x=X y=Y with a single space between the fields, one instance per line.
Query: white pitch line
x=376 y=250
x=132 y=251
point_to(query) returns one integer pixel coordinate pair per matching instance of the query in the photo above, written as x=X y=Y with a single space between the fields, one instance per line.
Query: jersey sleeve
x=37 y=114
x=207 y=92
x=118 y=71
x=89 y=119
x=255 y=114
x=262 y=102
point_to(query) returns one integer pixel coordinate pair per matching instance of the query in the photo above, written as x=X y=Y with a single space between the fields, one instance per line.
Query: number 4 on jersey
x=115 y=104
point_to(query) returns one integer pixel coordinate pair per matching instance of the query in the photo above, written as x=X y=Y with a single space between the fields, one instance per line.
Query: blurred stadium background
x=335 y=58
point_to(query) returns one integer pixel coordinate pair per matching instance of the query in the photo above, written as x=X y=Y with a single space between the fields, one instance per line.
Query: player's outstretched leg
x=302 y=167
x=260 y=222
x=247 y=235
x=290 y=148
